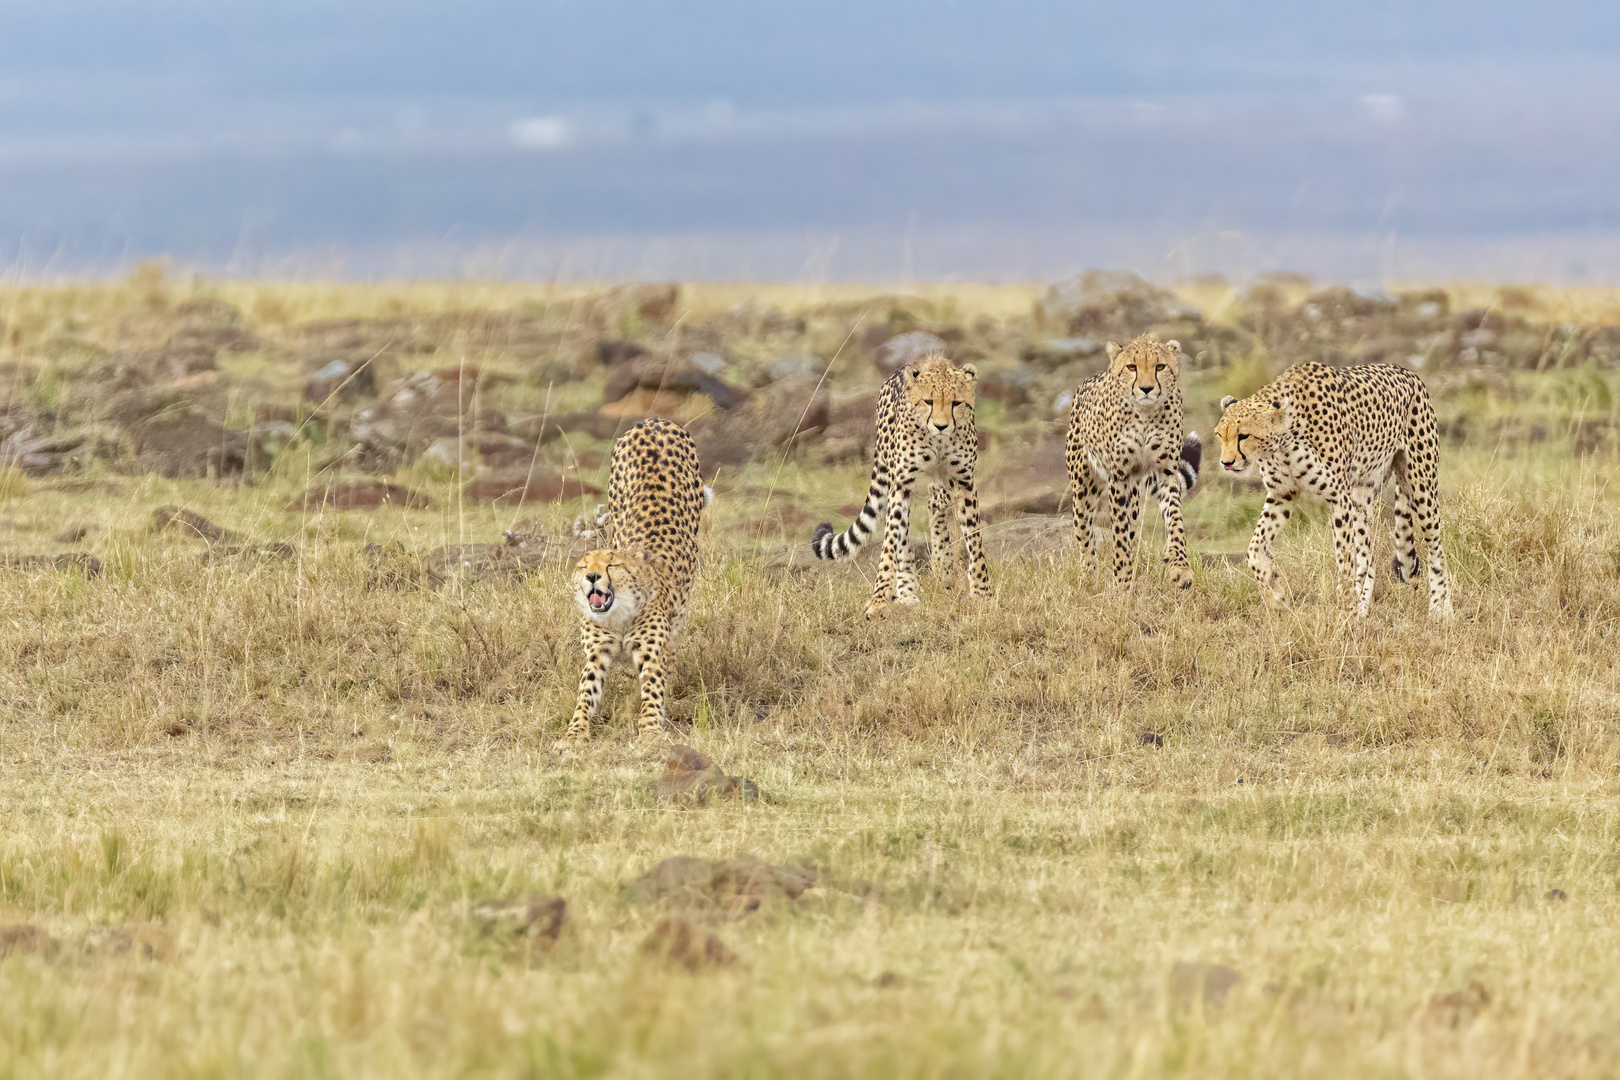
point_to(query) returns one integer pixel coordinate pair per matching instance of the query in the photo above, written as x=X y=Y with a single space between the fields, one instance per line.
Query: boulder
x=779 y=415
x=692 y=779
x=1110 y=304
x=669 y=375
x=190 y=444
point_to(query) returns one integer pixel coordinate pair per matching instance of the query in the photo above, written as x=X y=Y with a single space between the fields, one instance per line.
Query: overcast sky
x=911 y=138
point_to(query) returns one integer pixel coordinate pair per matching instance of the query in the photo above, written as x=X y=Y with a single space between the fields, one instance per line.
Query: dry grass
x=251 y=806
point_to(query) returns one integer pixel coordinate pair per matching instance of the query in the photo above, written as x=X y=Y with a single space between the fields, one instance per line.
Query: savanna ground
x=255 y=809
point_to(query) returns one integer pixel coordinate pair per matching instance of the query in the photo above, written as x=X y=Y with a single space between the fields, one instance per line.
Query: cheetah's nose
x=593 y=578
x=941 y=427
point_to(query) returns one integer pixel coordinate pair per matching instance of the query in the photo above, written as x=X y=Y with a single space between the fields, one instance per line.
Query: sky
x=875 y=140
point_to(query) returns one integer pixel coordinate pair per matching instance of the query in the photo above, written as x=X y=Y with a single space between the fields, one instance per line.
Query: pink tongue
x=597 y=599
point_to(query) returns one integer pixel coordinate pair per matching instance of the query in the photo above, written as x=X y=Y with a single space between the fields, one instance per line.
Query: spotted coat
x=1125 y=432
x=1341 y=433
x=632 y=595
x=924 y=428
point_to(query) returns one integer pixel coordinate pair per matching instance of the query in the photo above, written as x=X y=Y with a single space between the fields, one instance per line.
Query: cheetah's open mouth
x=600 y=598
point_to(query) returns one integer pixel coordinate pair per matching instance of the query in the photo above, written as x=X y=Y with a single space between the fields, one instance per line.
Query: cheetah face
x=1146 y=369
x=611 y=587
x=940 y=396
x=1247 y=429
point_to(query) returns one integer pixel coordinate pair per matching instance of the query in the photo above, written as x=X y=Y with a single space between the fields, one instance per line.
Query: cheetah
x=924 y=427
x=1340 y=433
x=632 y=596
x=1124 y=432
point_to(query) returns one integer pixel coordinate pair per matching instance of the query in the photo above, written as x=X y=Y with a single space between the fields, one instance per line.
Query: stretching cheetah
x=1341 y=433
x=632 y=597
x=924 y=426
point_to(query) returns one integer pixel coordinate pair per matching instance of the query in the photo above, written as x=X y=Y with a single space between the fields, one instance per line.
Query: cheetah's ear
x=1227 y=402
x=1113 y=349
x=970 y=371
x=1173 y=346
x=911 y=372
x=641 y=556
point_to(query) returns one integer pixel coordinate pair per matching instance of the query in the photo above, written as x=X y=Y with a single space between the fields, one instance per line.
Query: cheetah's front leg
x=967 y=521
x=600 y=646
x=896 y=582
x=1125 y=503
x=1167 y=486
x=1084 y=493
x=1273 y=516
x=647 y=650
x=939 y=534
x=1359 y=512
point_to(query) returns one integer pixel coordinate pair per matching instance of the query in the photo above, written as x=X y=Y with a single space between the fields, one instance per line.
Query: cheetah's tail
x=1192 y=455
x=829 y=543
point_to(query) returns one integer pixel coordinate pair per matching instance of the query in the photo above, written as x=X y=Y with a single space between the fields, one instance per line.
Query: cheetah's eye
x=955 y=404
x=1159 y=368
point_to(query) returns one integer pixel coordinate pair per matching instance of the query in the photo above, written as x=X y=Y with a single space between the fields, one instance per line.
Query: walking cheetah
x=1124 y=432
x=632 y=596
x=1340 y=433
x=924 y=426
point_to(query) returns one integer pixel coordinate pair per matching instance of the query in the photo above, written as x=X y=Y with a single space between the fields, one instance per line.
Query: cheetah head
x=612 y=587
x=1146 y=369
x=1247 y=429
x=940 y=395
